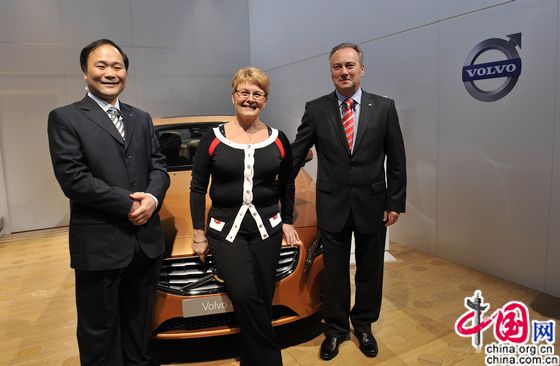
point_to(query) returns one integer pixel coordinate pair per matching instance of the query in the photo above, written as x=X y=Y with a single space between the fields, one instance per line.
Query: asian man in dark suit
x=108 y=163
x=353 y=133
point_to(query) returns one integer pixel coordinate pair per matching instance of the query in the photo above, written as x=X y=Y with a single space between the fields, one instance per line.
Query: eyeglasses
x=246 y=94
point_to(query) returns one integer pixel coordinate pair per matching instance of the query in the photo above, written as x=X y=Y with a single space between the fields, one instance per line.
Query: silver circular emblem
x=509 y=69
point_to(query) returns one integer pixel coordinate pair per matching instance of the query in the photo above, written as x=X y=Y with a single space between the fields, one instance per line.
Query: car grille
x=215 y=320
x=190 y=276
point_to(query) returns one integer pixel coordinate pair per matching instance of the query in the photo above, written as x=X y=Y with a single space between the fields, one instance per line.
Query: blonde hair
x=251 y=75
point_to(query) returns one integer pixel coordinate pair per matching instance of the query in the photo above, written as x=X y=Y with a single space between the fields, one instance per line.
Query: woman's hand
x=291 y=236
x=200 y=244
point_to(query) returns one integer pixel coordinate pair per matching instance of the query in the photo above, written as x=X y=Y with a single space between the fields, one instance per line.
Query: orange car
x=191 y=300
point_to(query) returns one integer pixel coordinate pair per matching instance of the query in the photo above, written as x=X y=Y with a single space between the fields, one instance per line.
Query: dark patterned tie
x=116 y=117
x=348 y=121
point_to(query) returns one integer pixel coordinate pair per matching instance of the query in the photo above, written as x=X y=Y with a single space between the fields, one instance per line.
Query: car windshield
x=178 y=142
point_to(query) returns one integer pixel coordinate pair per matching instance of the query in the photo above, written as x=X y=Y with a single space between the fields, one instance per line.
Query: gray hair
x=353 y=46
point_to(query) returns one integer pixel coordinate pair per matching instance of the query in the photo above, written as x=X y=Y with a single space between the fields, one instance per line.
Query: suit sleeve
x=73 y=175
x=286 y=181
x=305 y=139
x=159 y=179
x=396 y=163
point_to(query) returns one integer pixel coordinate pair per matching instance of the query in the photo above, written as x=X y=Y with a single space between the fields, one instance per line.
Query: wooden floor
x=423 y=296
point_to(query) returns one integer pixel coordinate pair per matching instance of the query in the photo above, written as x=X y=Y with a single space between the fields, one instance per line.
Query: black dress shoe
x=329 y=347
x=368 y=344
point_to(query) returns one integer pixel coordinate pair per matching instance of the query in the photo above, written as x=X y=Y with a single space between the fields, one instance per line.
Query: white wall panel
x=83 y=21
x=290 y=88
x=31 y=21
x=404 y=67
x=32 y=83
x=283 y=32
x=213 y=93
x=4 y=214
x=163 y=24
x=552 y=283
x=222 y=27
x=72 y=73
x=495 y=159
x=33 y=197
x=164 y=81
x=32 y=60
x=452 y=8
x=179 y=98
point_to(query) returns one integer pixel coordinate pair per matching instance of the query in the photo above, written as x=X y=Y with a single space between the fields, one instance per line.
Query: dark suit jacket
x=97 y=171
x=354 y=182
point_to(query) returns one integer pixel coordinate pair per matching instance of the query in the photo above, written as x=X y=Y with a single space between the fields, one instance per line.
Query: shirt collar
x=103 y=104
x=357 y=97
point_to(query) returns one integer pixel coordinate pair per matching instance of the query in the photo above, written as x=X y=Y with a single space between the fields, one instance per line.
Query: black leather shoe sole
x=328 y=356
x=328 y=349
x=368 y=344
x=368 y=352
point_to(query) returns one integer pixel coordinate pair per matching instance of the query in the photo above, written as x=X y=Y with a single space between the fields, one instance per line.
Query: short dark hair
x=353 y=46
x=93 y=45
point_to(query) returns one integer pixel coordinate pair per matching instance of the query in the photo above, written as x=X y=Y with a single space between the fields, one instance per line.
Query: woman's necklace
x=242 y=131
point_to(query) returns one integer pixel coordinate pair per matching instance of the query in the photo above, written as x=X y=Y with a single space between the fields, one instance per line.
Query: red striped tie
x=348 y=121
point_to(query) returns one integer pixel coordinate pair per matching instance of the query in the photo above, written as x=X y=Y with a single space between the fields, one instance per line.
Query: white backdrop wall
x=183 y=54
x=484 y=177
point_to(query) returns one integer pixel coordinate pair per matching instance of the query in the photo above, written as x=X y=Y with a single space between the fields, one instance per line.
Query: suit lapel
x=366 y=111
x=128 y=120
x=97 y=115
x=333 y=111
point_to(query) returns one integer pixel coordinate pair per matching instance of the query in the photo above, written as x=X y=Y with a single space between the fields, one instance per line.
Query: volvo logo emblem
x=509 y=69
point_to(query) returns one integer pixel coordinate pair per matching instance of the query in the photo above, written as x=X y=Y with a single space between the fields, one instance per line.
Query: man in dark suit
x=108 y=163
x=353 y=133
